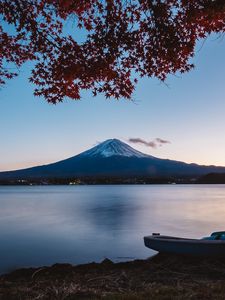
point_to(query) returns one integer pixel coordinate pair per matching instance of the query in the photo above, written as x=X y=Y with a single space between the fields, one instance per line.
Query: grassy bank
x=162 y=277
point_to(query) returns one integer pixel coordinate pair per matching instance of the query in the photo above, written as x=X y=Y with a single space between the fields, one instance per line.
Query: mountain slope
x=112 y=158
x=113 y=147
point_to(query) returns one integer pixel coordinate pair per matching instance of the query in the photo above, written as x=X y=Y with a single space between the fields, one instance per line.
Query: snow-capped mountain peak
x=113 y=147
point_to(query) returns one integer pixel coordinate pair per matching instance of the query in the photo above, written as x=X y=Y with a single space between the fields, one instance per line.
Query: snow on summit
x=113 y=147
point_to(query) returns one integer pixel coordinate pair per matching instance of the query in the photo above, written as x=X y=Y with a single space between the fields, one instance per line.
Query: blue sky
x=189 y=112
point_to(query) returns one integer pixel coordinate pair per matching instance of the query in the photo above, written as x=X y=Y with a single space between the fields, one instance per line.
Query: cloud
x=158 y=142
x=161 y=141
x=151 y=144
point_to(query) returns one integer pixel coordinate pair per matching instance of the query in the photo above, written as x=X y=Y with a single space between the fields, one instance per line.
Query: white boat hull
x=168 y=244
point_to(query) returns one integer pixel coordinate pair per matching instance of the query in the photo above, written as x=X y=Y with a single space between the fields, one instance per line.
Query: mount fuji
x=112 y=158
x=113 y=147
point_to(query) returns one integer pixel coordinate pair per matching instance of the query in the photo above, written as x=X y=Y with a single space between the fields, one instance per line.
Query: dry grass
x=163 y=277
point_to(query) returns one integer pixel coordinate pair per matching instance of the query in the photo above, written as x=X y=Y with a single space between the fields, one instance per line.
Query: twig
x=37 y=272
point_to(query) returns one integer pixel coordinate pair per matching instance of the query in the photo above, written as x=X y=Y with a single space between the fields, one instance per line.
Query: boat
x=213 y=245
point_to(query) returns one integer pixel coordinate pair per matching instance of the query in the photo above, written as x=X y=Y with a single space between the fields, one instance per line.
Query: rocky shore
x=161 y=277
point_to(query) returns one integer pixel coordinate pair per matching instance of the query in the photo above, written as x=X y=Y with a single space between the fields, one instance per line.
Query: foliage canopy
x=148 y=37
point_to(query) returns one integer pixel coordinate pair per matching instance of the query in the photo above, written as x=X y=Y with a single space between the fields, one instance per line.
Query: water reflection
x=44 y=225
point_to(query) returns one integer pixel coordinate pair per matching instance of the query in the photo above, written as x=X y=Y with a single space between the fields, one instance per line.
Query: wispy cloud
x=157 y=142
x=161 y=141
x=151 y=144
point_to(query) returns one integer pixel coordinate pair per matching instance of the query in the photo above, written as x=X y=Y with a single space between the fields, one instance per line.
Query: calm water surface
x=78 y=224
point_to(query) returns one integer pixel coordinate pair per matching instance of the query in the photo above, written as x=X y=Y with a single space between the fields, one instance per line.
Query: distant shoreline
x=212 y=178
x=111 y=184
x=155 y=278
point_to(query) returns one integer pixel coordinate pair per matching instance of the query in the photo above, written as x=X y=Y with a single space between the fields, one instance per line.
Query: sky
x=188 y=111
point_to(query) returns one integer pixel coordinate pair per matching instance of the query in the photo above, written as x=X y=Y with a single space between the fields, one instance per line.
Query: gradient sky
x=189 y=112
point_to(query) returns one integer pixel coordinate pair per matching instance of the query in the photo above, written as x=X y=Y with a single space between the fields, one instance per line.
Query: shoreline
x=159 y=277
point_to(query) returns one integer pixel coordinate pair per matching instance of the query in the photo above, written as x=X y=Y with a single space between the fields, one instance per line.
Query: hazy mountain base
x=162 y=277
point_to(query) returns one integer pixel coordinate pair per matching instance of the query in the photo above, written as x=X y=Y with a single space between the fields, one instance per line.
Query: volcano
x=113 y=158
x=113 y=147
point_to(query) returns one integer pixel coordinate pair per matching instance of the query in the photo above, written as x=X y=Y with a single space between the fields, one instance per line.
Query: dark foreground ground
x=161 y=277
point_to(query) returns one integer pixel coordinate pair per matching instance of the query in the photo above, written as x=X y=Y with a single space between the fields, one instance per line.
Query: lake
x=43 y=225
